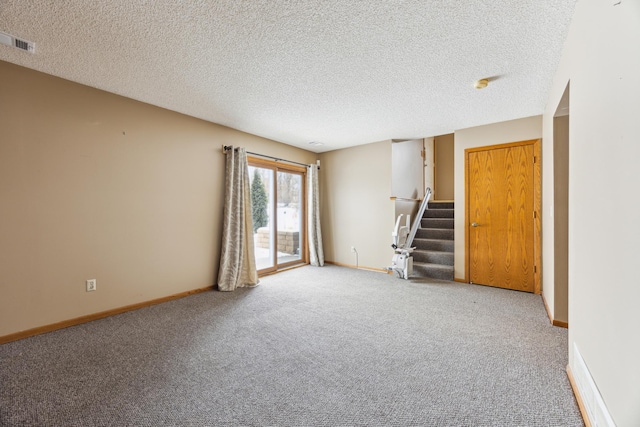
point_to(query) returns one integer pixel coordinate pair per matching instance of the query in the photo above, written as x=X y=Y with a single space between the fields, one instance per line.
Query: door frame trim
x=537 y=206
x=304 y=246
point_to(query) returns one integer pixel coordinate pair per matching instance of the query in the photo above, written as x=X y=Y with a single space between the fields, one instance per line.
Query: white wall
x=480 y=136
x=407 y=169
x=601 y=59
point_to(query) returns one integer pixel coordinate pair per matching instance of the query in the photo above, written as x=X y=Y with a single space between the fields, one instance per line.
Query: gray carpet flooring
x=308 y=347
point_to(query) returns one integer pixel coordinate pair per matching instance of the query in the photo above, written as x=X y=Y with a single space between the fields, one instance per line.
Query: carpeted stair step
x=433 y=257
x=437 y=223
x=435 y=271
x=434 y=244
x=440 y=205
x=438 y=213
x=435 y=233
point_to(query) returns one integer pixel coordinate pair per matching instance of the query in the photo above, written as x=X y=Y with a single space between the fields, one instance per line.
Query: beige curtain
x=316 y=253
x=237 y=257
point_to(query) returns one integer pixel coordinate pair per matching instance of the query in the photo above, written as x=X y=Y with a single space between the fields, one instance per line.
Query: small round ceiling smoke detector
x=481 y=84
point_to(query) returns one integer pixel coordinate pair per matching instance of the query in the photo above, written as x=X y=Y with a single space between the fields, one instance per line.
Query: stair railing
x=418 y=218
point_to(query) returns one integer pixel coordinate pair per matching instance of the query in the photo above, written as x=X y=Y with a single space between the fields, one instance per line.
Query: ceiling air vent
x=10 y=40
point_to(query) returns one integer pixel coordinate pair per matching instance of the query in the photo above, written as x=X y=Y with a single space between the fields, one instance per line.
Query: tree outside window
x=259 y=202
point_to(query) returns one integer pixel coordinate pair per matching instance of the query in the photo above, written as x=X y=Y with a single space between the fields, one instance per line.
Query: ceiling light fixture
x=481 y=84
x=316 y=143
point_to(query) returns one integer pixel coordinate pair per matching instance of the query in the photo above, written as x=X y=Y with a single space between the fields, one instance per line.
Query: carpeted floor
x=308 y=347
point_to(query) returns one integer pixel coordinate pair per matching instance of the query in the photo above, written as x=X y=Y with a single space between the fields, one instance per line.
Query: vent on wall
x=10 y=40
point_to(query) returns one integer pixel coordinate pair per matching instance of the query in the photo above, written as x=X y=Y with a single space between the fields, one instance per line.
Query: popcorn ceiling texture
x=341 y=72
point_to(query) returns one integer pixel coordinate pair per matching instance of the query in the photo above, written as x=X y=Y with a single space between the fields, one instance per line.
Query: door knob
x=474 y=224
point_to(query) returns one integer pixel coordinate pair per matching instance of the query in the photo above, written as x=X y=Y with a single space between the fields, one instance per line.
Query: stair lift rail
x=402 y=262
x=418 y=218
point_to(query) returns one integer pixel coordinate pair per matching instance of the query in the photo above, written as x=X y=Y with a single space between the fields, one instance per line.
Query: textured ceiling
x=343 y=72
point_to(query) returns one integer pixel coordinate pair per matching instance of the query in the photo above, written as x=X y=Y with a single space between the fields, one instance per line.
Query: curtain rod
x=228 y=147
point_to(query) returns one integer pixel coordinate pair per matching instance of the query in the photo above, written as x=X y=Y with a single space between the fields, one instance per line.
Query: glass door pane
x=290 y=212
x=262 y=192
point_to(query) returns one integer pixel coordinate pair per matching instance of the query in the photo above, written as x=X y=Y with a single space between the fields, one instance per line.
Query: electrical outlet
x=353 y=249
x=92 y=285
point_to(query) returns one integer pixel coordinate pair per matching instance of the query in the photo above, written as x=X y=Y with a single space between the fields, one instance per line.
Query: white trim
x=594 y=405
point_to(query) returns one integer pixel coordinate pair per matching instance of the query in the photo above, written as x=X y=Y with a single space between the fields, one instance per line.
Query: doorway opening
x=279 y=214
x=560 y=211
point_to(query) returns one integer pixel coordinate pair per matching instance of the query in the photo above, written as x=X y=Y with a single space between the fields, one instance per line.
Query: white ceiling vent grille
x=10 y=40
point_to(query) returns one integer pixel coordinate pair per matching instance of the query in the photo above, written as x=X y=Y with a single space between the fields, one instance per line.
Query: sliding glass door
x=290 y=212
x=278 y=208
x=262 y=197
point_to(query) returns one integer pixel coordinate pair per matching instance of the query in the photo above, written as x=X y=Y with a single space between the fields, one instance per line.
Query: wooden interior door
x=501 y=224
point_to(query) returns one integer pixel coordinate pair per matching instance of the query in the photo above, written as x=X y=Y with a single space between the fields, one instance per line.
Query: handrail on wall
x=418 y=218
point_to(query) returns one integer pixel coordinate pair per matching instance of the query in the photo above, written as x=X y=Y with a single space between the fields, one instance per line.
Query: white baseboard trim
x=594 y=405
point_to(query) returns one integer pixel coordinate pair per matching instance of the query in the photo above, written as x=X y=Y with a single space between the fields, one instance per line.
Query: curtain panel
x=237 y=257
x=316 y=253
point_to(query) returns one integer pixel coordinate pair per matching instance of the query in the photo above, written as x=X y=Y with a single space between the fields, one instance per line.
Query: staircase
x=433 y=256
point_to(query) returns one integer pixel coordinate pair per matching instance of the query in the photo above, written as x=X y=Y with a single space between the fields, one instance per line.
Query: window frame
x=304 y=246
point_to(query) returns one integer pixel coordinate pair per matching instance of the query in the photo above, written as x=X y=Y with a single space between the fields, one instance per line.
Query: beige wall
x=498 y=133
x=94 y=185
x=429 y=163
x=560 y=267
x=601 y=60
x=444 y=167
x=356 y=209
